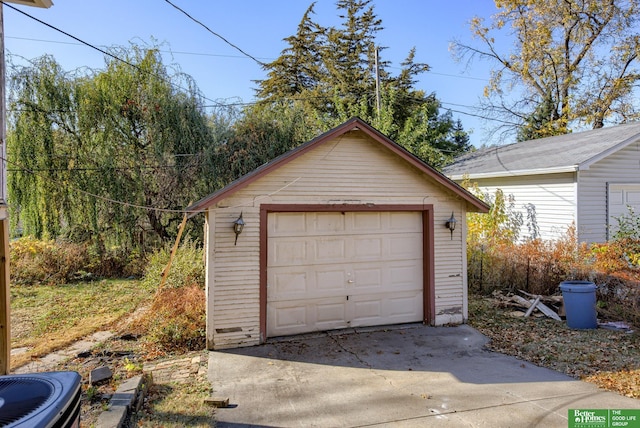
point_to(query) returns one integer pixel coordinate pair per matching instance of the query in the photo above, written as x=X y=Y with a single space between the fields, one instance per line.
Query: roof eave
x=522 y=172
x=351 y=125
x=586 y=164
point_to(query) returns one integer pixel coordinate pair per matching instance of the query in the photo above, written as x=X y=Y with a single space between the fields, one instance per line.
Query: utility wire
x=71 y=36
x=435 y=73
x=216 y=34
x=105 y=52
x=218 y=104
x=103 y=198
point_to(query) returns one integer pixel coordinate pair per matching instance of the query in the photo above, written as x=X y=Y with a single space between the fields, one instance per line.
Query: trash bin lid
x=577 y=286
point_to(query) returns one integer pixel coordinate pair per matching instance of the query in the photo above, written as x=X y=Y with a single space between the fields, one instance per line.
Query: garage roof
x=353 y=124
x=562 y=153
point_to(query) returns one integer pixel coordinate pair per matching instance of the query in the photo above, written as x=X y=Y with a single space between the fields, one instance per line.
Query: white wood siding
x=352 y=169
x=552 y=195
x=620 y=167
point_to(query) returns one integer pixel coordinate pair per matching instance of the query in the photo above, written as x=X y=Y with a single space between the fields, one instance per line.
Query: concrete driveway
x=401 y=376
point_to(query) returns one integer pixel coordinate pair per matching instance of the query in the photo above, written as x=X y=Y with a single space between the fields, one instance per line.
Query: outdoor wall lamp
x=451 y=224
x=238 y=225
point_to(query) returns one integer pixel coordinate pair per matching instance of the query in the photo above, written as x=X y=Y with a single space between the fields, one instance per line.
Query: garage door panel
x=329 y=279
x=366 y=280
x=329 y=250
x=328 y=313
x=297 y=283
x=303 y=316
x=366 y=222
x=353 y=268
x=288 y=252
x=367 y=248
x=404 y=222
x=290 y=317
x=286 y=224
x=404 y=246
x=366 y=311
x=327 y=223
x=404 y=307
x=383 y=308
x=404 y=276
x=289 y=283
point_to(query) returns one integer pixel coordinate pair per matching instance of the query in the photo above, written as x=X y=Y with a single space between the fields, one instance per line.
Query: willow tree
x=110 y=157
x=576 y=62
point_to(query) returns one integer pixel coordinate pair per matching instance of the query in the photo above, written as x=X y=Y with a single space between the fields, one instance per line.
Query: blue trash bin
x=580 y=303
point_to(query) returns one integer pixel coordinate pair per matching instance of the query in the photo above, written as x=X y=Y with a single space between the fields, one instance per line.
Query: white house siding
x=621 y=167
x=352 y=169
x=552 y=195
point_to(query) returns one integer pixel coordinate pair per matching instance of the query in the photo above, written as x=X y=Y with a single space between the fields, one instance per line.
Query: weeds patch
x=177 y=405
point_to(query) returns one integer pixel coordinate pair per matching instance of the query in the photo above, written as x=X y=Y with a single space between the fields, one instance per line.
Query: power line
x=105 y=52
x=170 y=51
x=216 y=34
x=70 y=35
x=207 y=54
x=218 y=104
x=102 y=198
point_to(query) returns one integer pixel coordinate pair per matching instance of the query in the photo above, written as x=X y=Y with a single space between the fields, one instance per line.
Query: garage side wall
x=351 y=169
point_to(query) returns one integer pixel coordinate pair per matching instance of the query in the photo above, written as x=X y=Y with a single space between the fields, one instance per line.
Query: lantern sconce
x=451 y=224
x=238 y=225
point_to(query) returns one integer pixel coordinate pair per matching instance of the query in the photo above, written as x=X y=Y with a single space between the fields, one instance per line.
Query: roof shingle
x=552 y=153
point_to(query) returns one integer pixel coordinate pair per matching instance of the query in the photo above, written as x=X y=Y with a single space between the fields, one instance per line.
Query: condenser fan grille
x=20 y=397
x=40 y=399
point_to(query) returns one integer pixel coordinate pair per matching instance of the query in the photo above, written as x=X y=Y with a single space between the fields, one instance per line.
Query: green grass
x=46 y=318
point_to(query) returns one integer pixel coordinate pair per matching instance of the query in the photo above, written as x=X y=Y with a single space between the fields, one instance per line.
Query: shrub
x=497 y=260
x=535 y=266
x=628 y=226
x=33 y=261
x=187 y=266
x=175 y=320
x=116 y=262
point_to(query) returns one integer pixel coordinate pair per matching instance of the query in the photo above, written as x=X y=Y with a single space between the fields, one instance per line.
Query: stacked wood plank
x=549 y=306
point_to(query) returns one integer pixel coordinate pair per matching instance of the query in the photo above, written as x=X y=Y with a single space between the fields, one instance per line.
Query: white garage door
x=330 y=270
x=621 y=197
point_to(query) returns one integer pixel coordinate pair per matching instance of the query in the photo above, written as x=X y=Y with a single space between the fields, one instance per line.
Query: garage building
x=346 y=230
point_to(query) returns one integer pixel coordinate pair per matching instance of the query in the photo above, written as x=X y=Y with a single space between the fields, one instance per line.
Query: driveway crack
x=339 y=344
x=342 y=347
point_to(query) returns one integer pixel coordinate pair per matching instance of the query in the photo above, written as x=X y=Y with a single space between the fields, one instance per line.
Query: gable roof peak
x=353 y=124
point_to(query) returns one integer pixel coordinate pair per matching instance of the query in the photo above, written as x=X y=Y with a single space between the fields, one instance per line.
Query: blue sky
x=257 y=27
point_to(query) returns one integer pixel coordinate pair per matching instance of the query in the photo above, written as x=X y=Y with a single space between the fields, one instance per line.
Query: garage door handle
x=350 y=281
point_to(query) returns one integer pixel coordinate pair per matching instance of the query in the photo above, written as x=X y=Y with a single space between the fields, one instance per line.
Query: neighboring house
x=587 y=178
x=347 y=230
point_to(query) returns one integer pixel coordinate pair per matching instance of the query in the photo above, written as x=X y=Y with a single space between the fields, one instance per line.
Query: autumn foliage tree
x=573 y=62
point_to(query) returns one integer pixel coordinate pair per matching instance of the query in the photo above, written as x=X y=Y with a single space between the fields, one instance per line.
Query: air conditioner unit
x=40 y=400
x=36 y=3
